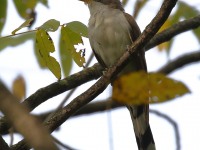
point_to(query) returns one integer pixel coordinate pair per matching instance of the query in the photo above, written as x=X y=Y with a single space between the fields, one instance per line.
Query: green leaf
x=16 y=40
x=197 y=33
x=79 y=57
x=142 y=88
x=40 y=60
x=139 y=4
x=24 y=7
x=44 y=2
x=186 y=11
x=25 y=24
x=65 y=58
x=124 y=2
x=3 y=8
x=50 y=25
x=78 y=28
x=44 y=45
x=71 y=39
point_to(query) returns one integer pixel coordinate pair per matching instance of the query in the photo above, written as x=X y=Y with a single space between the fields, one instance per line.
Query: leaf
x=19 y=87
x=50 y=25
x=139 y=4
x=16 y=40
x=40 y=60
x=25 y=7
x=124 y=2
x=25 y=24
x=197 y=33
x=142 y=88
x=79 y=28
x=65 y=58
x=44 y=45
x=166 y=45
x=79 y=57
x=44 y=2
x=186 y=11
x=3 y=8
x=71 y=39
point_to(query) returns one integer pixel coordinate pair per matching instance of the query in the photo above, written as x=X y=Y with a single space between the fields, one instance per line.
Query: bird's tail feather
x=140 y=118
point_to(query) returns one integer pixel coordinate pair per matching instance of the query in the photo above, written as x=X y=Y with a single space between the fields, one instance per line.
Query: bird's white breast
x=108 y=32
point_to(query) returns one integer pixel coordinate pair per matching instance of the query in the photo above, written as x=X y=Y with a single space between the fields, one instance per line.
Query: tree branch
x=61 y=116
x=89 y=74
x=23 y=122
x=4 y=145
x=180 y=62
x=174 y=125
x=174 y=30
x=63 y=85
x=168 y=68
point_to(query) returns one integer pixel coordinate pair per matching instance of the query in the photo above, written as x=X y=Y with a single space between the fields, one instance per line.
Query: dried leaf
x=19 y=87
x=143 y=88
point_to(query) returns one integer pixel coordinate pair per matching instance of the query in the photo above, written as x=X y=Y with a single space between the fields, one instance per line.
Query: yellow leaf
x=168 y=23
x=166 y=45
x=44 y=45
x=143 y=88
x=19 y=87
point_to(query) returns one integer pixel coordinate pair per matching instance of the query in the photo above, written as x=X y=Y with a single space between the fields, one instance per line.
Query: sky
x=93 y=131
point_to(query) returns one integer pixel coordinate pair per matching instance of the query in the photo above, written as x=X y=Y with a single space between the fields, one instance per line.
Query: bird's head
x=111 y=3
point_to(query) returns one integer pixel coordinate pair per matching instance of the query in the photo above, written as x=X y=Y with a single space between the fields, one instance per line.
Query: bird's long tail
x=140 y=118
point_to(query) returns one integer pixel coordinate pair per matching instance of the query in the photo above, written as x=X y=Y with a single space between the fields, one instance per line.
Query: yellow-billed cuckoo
x=111 y=31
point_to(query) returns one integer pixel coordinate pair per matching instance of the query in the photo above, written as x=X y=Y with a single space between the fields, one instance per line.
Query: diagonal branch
x=3 y=144
x=23 y=122
x=180 y=62
x=62 y=115
x=89 y=74
x=174 y=30
x=91 y=108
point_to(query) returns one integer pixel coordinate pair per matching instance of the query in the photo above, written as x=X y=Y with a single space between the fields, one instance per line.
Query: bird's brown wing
x=99 y=59
x=139 y=56
x=140 y=113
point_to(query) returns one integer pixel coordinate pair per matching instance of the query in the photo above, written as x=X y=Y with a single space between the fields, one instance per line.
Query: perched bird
x=111 y=31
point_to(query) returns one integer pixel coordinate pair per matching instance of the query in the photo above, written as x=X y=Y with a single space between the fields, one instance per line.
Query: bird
x=110 y=31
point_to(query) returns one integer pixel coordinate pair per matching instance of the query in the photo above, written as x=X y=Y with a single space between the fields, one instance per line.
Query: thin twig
x=67 y=147
x=174 y=125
